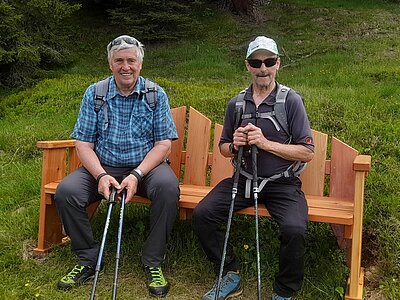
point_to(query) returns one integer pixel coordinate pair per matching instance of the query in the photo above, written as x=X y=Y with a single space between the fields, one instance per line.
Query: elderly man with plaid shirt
x=124 y=147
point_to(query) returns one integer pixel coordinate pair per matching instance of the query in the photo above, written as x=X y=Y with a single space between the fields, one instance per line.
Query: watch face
x=138 y=171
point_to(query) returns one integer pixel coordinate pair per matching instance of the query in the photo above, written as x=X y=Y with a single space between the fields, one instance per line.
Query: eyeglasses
x=126 y=39
x=256 y=63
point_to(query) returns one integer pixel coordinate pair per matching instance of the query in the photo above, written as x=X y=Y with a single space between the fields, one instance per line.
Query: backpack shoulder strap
x=151 y=93
x=280 y=108
x=100 y=93
x=241 y=104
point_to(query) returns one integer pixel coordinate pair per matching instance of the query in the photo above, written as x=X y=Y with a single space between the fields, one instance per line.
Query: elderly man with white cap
x=284 y=144
x=122 y=144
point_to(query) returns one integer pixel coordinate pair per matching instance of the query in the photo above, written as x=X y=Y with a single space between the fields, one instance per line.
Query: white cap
x=262 y=43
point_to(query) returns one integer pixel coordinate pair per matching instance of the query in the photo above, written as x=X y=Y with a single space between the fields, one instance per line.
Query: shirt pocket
x=141 y=125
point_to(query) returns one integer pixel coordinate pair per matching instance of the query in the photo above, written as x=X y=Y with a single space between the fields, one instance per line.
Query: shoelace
x=75 y=271
x=224 y=283
x=156 y=275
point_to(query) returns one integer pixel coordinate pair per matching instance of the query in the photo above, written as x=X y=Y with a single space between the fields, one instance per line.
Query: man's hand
x=130 y=183
x=240 y=137
x=255 y=136
x=105 y=183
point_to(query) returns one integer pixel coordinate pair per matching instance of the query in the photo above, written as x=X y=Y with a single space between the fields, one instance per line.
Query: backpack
x=150 y=89
x=279 y=118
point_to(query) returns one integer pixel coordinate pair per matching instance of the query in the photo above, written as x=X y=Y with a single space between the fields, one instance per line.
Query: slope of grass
x=341 y=55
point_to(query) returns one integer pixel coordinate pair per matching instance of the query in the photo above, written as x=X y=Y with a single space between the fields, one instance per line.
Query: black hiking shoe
x=156 y=283
x=77 y=276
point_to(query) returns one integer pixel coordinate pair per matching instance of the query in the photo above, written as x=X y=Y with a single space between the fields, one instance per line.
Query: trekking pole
x=111 y=203
x=238 y=114
x=121 y=221
x=254 y=152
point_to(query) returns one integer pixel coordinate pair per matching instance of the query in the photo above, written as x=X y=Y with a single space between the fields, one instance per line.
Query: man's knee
x=170 y=193
x=165 y=191
x=69 y=195
x=63 y=191
x=201 y=213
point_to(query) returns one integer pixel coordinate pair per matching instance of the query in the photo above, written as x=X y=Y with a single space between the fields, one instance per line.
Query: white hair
x=125 y=42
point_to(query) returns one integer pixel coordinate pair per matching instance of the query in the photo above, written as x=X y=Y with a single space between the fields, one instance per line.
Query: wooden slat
x=342 y=157
x=313 y=176
x=358 y=289
x=198 y=141
x=55 y=144
x=179 y=116
x=342 y=180
x=221 y=166
x=356 y=274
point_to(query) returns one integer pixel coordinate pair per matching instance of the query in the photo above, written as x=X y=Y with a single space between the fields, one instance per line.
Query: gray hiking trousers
x=79 y=189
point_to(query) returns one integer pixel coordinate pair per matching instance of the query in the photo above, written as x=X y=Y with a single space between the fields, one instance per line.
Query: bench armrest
x=55 y=144
x=362 y=163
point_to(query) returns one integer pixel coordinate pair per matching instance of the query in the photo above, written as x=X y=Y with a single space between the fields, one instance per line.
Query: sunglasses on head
x=256 y=63
x=126 y=39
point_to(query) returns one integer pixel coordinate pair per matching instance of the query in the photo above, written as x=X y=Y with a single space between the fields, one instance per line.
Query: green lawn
x=343 y=56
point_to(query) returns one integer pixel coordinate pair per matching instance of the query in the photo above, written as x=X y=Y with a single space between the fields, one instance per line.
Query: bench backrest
x=200 y=162
x=195 y=163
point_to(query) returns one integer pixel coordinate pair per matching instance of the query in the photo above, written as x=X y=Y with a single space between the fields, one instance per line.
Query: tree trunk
x=248 y=8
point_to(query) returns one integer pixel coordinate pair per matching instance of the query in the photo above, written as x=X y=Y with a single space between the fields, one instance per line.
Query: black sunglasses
x=256 y=63
x=126 y=39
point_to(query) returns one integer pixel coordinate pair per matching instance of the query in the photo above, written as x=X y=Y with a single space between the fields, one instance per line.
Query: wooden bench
x=344 y=173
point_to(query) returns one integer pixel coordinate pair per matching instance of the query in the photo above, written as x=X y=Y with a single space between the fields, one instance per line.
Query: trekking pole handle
x=113 y=195
x=254 y=152
x=238 y=115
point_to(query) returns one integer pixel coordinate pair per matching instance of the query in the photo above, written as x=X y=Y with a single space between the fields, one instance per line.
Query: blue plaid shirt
x=133 y=127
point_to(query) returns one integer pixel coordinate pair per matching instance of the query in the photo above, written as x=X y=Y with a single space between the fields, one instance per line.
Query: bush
x=158 y=20
x=31 y=37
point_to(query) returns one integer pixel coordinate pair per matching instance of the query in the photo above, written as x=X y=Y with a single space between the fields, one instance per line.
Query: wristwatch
x=232 y=148
x=138 y=174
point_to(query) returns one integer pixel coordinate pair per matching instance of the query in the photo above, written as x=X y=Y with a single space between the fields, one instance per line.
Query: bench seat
x=321 y=209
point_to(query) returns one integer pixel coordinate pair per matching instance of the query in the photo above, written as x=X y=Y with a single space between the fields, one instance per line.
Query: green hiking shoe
x=156 y=283
x=78 y=275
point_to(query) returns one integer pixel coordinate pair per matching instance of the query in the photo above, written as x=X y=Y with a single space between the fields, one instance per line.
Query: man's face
x=263 y=76
x=126 y=67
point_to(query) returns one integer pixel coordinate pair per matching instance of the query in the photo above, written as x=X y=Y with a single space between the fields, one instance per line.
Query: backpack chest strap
x=270 y=115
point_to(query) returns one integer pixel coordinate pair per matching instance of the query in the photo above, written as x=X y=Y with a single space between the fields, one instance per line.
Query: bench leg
x=185 y=213
x=356 y=278
x=356 y=287
x=51 y=232
x=50 y=227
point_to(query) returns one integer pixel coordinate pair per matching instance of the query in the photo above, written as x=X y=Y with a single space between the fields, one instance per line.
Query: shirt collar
x=271 y=99
x=113 y=90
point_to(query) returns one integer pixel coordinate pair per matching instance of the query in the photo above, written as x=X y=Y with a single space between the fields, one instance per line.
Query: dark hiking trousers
x=79 y=189
x=286 y=204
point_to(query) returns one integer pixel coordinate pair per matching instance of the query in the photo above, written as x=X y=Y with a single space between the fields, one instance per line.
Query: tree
x=30 y=37
x=156 y=20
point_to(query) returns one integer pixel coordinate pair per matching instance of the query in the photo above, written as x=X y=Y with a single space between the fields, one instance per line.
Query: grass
x=341 y=55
